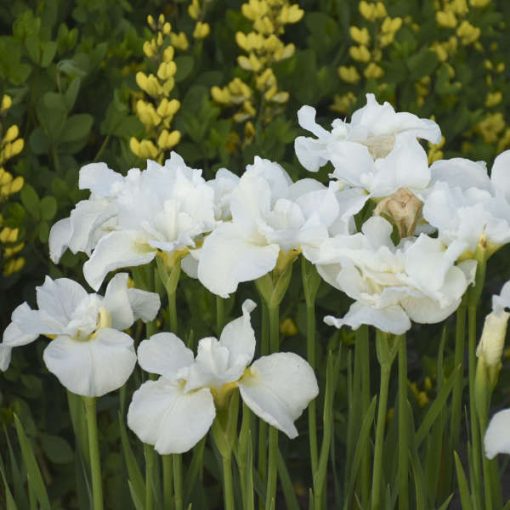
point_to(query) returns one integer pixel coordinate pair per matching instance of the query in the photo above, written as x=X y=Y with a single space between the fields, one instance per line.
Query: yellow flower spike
x=265 y=26
x=167 y=28
x=468 y=33
x=13 y=266
x=373 y=71
x=220 y=95
x=249 y=42
x=490 y=127
x=343 y=104
x=202 y=30
x=9 y=235
x=254 y=9
x=147 y=114
x=479 y=3
x=6 y=103
x=168 y=54
x=179 y=41
x=360 y=35
x=168 y=86
x=148 y=50
x=167 y=109
x=250 y=63
x=446 y=19
x=280 y=97
x=13 y=250
x=460 y=7
x=194 y=10
x=14 y=148
x=293 y=14
x=11 y=134
x=367 y=10
x=359 y=53
x=167 y=141
x=166 y=70
x=493 y=99
x=380 y=10
x=349 y=74
x=16 y=184
x=288 y=327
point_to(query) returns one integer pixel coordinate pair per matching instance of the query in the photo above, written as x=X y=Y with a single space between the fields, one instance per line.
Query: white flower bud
x=491 y=344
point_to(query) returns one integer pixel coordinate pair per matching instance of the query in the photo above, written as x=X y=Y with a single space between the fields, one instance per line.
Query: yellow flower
x=11 y=134
x=349 y=74
x=373 y=71
x=288 y=327
x=493 y=99
x=179 y=41
x=479 y=3
x=360 y=35
x=6 y=103
x=468 y=33
x=446 y=19
x=359 y=53
x=167 y=140
x=202 y=30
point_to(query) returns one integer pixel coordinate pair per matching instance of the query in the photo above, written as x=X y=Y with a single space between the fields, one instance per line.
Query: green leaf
x=136 y=480
x=39 y=141
x=57 y=449
x=184 y=67
x=77 y=128
x=35 y=479
x=48 y=208
x=72 y=93
x=436 y=407
x=48 y=51
x=30 y=200
x=465 y=497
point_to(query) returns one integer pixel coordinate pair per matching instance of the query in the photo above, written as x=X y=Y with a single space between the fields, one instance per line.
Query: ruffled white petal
x=59 y=237
x=95 y=367
x=5 y=357
x=497 y=436
x=164 y=415
x=227 y=258
x=164 y=354
x=391 y=319
x=278 y=388
x=145 y=305
x=115 y=251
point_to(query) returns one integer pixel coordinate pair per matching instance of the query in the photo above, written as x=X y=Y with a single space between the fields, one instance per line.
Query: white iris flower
x=88 y=352
x=174 y=412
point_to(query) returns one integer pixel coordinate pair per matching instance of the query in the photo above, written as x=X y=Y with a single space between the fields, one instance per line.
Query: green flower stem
x=311 y=282
x=362 y=382
x=262 y=425
x=245 y=460
x=167 y=481
x=385 y=354
x=172 y=310
x=403 y=463
x=220 y=314
x=460 y=334
x=272 y=469
x=320 y=476
x=476 y=452
x=95 y=461
x=177 y=472
x=228 y=483
x=272 y=473
x=150 y=458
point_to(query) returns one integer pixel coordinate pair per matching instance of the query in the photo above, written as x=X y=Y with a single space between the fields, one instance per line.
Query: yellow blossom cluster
x=436 y=151
x=154 y=109
x=263 y=47
x=196 y=11
x=10 y=146
x=421 y=394
x=376 y=32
